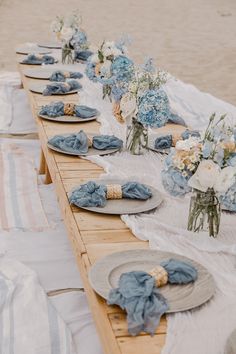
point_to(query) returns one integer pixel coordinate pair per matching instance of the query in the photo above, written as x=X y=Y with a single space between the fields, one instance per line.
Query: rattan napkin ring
x=114 y=191
x=66 y=74
x=160 y=275
x=69 y=109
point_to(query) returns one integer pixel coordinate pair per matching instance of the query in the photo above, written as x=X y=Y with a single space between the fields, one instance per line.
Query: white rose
x=128 y=106
x=187 y=144
x=206 y=175
x=67 y=34
x=226 y=179
x=94 y=58
x=105 y=69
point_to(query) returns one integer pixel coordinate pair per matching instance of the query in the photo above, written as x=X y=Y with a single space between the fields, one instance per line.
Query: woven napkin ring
x=39 y=56
x=114 y=191
x=66 y=84
x=90 y=143
x=160 y=275
x=69 y=109
x=66 y=74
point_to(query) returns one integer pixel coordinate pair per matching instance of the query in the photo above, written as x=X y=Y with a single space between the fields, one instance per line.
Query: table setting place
x=170 y=174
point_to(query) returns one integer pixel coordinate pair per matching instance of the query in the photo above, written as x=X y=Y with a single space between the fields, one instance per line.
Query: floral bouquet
x=143 y=105
x=68 y=31
x=206 y=165
x=112 y=68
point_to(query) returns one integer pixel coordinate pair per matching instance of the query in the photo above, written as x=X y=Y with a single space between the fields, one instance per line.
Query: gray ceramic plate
x=67 y=119
x=105 y=273
x=52 y=45
x=127 y=206
x=39 y=88
x=90 y=152
x=36 y=63
x=42 y=73
x=32 y=49
x=160 y=151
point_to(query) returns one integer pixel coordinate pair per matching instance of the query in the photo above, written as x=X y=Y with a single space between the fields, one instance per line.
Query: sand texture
x=193 y=39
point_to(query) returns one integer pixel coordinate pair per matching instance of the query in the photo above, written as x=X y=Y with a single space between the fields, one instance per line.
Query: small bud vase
x=67 y=54
x=136 y=138
x=204 y=212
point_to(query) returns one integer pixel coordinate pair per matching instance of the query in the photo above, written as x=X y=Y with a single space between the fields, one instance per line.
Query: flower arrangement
x=205 y=164
x=68 y=30
x=111 y=67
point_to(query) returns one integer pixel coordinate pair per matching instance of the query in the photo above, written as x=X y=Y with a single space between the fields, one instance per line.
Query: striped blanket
x=29 y=323
x=21 y=207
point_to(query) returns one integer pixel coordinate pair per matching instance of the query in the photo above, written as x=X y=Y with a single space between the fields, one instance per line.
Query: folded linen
x=59 y=75
x=36 y=58
x=61 y=87
x=139 y=296
x=57 y=109
x=92 y=194
x=79 y=143
x=82 y=55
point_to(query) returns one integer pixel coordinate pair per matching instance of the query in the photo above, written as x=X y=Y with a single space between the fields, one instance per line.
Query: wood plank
x=142 y=344
x=95 y=221
x=107 y=236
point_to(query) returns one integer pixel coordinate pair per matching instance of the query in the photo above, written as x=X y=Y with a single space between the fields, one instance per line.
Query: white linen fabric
x=29 y=324
x=14 y=105
x=203 y=330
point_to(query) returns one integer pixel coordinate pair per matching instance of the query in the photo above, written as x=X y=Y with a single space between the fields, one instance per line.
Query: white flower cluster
x=66 y=26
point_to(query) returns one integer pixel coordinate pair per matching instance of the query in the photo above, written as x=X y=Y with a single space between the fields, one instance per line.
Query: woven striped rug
x=21 y=206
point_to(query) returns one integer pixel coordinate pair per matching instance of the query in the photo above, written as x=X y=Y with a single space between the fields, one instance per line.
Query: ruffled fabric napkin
x=190 y=133
x=60 y=76
x=139 y=296
x=57 y=109
x=94 y=195
x=36 y=58
x=61 y=87
x=82 y=55
x=79 y=143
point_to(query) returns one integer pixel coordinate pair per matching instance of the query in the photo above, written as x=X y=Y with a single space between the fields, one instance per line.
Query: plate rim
x=31 y=88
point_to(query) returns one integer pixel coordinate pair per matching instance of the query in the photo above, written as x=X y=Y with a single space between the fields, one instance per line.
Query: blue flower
x=174 y=182
x=190 y=133
x=153 y=108
x=228 y=200
x=118 y=91
x=122 y=68
x=90 y=71
x=148 y=66
x=163 y=142
x=79 y=39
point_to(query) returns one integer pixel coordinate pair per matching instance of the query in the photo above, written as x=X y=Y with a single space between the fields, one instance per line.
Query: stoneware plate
x=127 y=206
x=39 y=88
x=36 y=63
x=90 y=152
x=49 y=45
x=42 y=73
x=160 y=151
x=105 y=273
x=67 y=119
x=31 y=49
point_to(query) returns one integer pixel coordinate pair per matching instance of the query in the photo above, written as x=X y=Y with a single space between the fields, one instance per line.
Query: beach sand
x=195 y=40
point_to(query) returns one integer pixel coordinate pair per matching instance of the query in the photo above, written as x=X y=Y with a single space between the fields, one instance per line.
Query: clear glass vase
x=67 y=54
x=136 y=137
x=204 y=212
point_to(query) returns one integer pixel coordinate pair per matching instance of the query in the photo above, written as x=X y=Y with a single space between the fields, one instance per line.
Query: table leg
x=48 y=179
x=42 y=164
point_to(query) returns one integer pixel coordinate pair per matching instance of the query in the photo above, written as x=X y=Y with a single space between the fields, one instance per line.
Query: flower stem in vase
x=204 y=212
x=67 y=54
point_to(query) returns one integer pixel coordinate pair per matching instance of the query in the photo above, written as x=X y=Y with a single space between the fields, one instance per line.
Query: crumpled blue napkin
x=61 y=87
x=34 y=59
x=163 y=142
x=175 y=119
x=190 y=133
x=78 y=143
x=60 y=76
x=138 y=295
x=92 y=194
x=56 y=109
x=82 y=55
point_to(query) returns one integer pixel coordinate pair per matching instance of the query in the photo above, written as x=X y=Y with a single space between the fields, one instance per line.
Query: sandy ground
x=193 y=39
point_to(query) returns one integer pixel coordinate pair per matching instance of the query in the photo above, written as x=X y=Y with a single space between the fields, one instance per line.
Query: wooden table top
x=92 y=235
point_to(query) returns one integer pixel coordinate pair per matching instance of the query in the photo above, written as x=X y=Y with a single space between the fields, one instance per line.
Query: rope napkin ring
x=69 y=109
x=66 y=84
x=90 y=142
x=66 y=74
x=114 y=191
x=160 y=275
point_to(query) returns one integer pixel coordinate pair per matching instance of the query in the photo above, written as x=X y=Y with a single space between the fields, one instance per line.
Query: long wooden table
x=92 y=235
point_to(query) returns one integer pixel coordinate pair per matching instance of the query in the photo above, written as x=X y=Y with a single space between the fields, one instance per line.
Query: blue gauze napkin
x=60 y=76
x=61 y=87
x=34 y=59
x=56 y=109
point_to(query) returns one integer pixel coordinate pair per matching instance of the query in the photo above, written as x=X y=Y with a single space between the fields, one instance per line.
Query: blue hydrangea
x=232 y=160
x=228 y=200
x=190 y=133
x=122 y=68
x=90 y=71
x=174 y=182
x=153 y=108
x=118 y=91
x=79 y=39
